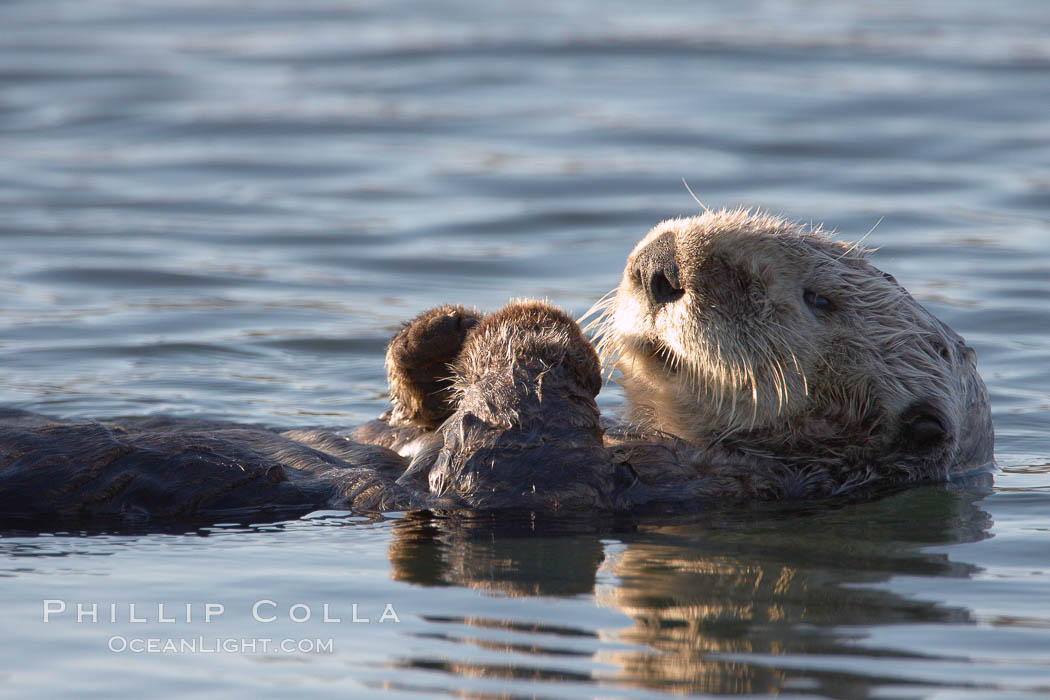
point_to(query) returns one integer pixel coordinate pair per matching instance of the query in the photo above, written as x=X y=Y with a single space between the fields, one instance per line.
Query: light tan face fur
x=777 y=332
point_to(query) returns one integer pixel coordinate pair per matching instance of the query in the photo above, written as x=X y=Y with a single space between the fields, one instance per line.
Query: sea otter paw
x=417 y=364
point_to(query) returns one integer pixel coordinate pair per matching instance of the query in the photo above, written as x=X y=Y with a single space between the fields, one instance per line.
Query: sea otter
x=760 y=361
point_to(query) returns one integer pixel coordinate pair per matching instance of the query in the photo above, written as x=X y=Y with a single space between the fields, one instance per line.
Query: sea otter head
x=745 y=328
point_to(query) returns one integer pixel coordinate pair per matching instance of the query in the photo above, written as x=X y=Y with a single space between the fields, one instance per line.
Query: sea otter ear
x=923 y=428
x=417 y=364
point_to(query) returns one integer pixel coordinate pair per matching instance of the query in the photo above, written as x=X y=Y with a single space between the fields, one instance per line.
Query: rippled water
x=223 y=209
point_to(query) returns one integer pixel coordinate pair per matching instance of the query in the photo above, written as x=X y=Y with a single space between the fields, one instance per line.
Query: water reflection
x=705 y=594
x=517 y=556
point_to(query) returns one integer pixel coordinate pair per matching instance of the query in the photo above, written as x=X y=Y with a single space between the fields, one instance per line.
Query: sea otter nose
x=655 y=269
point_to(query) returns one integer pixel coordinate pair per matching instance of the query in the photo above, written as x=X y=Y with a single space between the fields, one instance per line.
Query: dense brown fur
x=526 y=430
x=760 y=361
x=418 y=359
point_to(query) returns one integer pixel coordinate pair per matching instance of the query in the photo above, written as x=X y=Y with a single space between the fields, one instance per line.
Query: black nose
x=655 y=270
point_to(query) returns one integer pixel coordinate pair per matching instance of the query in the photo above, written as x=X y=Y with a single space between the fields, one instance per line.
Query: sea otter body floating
x=760 y=360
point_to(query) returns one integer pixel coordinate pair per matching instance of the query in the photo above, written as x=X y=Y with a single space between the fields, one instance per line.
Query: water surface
x=223 y=209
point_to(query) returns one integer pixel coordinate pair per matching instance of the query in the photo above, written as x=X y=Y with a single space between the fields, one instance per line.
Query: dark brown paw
x=417 y=364
x=531 y=333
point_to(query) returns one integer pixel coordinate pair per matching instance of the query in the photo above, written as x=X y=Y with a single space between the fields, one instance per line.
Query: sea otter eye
x=922 y=428
x=817 y=301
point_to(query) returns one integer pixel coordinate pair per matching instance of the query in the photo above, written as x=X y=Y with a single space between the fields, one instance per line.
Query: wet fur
x=519 y=428
x=875 y=388
x=735 y=394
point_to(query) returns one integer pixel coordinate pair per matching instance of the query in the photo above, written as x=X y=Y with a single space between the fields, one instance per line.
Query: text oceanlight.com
x=161 y=620
x=218 y=645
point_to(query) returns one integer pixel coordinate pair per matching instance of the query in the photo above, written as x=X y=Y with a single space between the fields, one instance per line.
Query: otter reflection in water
x=715 y=602
x=760 y=361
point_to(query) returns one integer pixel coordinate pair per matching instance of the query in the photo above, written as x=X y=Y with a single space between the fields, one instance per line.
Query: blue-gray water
x=224 y=208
